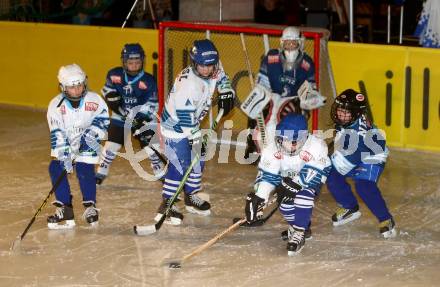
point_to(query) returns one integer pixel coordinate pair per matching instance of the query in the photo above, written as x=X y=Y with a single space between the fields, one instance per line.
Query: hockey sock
x=371 y=195
x=62 y=193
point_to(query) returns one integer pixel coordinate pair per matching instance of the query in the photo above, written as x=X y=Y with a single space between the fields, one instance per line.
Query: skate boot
x=343 y=215
x=195 y=204
x=174 y=216
x=63 y=217
x=100 y=178
x=387 y=228
x=296 y=241
x=287 y=233
x=91 y=214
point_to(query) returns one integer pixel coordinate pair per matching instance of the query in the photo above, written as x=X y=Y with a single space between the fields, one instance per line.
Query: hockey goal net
x=176 y=40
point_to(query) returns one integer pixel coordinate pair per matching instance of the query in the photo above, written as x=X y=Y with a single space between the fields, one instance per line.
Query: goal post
x=176 y=40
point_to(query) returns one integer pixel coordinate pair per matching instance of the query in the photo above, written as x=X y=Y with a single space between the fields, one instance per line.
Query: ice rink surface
x=111 y=255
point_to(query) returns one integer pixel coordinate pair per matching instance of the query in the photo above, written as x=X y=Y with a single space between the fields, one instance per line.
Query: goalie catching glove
x=309 y=97
x=225 y=101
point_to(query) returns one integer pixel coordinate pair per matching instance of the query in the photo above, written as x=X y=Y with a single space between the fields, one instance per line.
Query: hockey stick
x=260 y=118
x=19 y=238
x=129 y=14
x=178 y=263
x=150 y=229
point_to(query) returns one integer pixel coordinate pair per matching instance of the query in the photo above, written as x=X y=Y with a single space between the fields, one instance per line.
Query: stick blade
x=15 y=244
x=143 y=230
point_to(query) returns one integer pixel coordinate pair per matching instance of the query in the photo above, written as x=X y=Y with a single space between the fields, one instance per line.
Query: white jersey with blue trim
x=189 y=102
x=67 y=124
x=308 y=167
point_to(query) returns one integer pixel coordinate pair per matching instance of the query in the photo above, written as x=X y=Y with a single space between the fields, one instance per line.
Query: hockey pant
x=365 y=177
x=85 y=173
x=178 y=152
x=113 y=145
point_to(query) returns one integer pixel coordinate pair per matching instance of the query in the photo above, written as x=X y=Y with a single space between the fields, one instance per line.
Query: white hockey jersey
x=67 y=124
x=309 y=167
x=189 y=101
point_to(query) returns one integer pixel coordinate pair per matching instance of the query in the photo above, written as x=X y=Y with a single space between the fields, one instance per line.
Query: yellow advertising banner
x=401 y=86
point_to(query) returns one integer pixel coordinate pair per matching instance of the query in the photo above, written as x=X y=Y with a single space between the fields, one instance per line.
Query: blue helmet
x=292 y=129
x=204 y=53
x=132 y=51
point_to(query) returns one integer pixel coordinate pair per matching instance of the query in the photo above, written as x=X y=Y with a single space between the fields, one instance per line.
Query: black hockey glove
x=225 y=101
x=253 y=208
x=287 y=190
x=114 y=101
x=142 y=131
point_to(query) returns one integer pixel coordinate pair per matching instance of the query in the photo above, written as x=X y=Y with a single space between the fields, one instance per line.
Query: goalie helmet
x=291 y=133
x=291 y=43
x=71 y=76
x=348 y=107
x=204 y=53
x=132 y=52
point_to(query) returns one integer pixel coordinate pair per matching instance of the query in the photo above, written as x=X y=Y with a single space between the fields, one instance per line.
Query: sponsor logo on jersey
x=63 y=109
x=305 y=65
x=91 y=106
x=142 y=85
x=273 y=59
x=116 y=79
x=130 y=100
x=305 y=156
x=277 y=155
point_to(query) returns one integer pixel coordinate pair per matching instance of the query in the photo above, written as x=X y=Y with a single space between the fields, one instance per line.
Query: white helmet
x=71 y=75
x=291 y=33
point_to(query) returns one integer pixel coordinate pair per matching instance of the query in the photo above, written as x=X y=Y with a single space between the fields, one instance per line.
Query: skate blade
x=390 y=234
x=169 y=220
x=294 y=253
x=193 y=210
x=69 y=224
x=143 y=230
x=353 y=217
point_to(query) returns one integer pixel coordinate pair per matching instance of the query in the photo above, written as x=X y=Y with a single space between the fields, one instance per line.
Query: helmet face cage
x=204 y=53
x=285 y=145
x=132 y=52
x=72 y=76
x=351 y=106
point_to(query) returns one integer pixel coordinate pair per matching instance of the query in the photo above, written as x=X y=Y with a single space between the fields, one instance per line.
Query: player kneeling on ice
x=298 y=165
x=78 y=120
x=127 y=87
x=187 y=104
x=360 y=154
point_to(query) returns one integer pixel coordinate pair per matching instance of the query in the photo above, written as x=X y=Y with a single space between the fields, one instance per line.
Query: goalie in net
x=285 y=83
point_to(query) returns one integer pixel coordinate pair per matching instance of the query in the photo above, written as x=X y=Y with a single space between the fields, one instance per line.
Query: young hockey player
x=287 y=78
x=187 y=104
x=360 y=154
x=78 y=119
x=298 y=165
x=128 y=87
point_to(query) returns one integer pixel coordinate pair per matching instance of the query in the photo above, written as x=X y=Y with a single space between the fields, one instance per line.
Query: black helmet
x=352 y=101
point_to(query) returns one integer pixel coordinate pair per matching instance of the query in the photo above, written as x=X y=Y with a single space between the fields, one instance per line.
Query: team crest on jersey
x=305 y=65
x=142 y=85
x=91 y=106
x=63 y=109
x=305 y=156
x=277 y=155
x=273 y=59
x=116 y=79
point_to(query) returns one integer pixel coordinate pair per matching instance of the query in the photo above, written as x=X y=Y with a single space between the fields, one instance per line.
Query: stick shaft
x=188 y=171
x=54 y=187
x=260 y=118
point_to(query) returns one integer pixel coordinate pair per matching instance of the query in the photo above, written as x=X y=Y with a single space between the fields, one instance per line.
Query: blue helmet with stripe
x=204 y=53
x=132 y=52
x=291 y=133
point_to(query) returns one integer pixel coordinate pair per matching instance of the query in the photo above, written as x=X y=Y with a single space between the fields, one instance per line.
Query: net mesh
x=177 y=42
